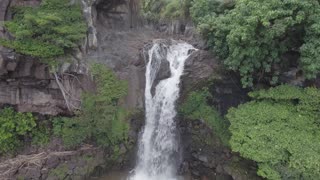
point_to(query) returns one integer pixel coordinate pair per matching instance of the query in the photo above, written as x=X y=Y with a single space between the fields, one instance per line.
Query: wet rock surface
x=199 y=67
x=28 y=85
x=206 y=158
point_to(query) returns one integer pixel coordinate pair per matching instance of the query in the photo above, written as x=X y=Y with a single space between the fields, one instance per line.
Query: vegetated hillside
x=266 y=44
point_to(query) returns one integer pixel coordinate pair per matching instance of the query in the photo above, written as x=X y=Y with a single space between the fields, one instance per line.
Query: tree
x=101 y=118
x=47 y=31
x=252 y=36
x=280 y=130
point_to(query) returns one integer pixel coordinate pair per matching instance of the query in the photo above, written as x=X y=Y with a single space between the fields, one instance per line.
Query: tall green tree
x=47 y=31
x=280 y=130
x=251 y=36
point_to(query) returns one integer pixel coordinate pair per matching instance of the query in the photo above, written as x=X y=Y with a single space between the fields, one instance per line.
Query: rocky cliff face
x=27 y=84
x=116 y=37
x=206 y=158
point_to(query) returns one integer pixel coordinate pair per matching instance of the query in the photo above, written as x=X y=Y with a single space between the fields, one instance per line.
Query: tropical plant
x=47 y=31
x=101 y=118
x=13 y=127
x=252 y=36
x=279 y=129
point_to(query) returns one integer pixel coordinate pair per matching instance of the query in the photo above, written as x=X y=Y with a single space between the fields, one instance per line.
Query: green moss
x=20 y=178
x=196 y=107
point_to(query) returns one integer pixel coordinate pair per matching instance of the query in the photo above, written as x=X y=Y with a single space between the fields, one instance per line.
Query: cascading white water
x=158 y=146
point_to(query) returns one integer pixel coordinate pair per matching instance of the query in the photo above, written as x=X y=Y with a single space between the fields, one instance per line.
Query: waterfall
x=158 y=146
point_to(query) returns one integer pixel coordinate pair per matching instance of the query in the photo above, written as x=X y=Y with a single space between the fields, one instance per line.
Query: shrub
x=101 y=118
x=13 y=127
x=280 y=130
x=47 y=31
x=41 y=134
x=252 y=36
x=155 y=10
x=72 y=131
x=196 y=107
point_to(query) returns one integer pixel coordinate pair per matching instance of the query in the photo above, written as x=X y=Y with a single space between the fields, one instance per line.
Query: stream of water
x=159 y=155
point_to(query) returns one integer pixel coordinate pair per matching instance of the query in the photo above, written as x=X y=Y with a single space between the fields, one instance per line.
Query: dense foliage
x=252 y=36
x=280 y=130
x=155 y=10
x=47 y=31
x=196 y=107
x=13 y=127
x=41 y=134
x=101 y=118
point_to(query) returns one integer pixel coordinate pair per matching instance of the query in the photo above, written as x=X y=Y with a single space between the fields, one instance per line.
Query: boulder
x=159 y=61
x=199 y=67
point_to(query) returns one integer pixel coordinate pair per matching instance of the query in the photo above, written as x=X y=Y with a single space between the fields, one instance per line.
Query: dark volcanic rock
x=202 y=68
x=28 y=85
x=198 y=69
x=206 y=158
x=159 y=61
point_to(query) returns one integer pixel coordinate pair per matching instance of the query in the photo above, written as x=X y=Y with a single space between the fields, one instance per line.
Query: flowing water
x=158 y=155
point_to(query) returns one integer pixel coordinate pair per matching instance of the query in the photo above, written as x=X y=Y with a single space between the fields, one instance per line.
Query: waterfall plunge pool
x=122 y=175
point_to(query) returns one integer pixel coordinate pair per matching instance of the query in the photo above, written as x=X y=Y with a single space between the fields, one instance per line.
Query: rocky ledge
x=28 y=85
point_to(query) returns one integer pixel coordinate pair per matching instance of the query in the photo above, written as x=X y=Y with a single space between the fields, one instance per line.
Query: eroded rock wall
x=206 y=158
x=28 y=84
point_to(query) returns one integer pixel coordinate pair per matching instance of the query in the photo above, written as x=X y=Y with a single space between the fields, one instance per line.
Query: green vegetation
x=16 y=127
x=13 y=127
x=280 y=130
x=60 y=172
x=41 y=134
x=196 y=107
x=101 y=119
x=252 y=36
x=47 y=31
x=155 y=10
